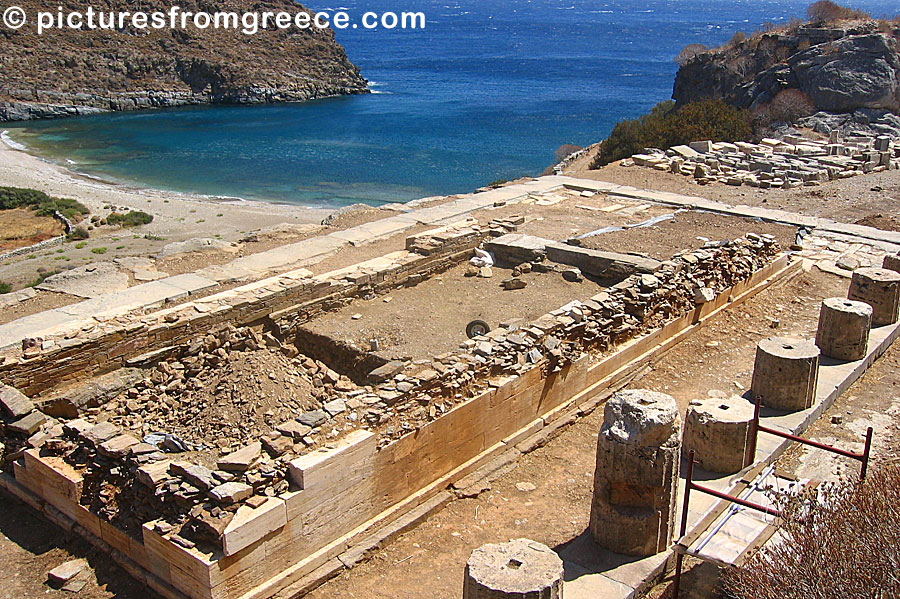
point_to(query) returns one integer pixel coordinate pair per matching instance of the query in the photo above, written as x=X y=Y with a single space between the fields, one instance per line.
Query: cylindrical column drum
x=636 y=476
x=519 y=569
x=844 y=327
x=892 y=262
x=880 y=288
x=785 y=373
x=718 y=431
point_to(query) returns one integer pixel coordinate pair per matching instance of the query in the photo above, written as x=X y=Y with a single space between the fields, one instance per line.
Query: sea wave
x=11 y=142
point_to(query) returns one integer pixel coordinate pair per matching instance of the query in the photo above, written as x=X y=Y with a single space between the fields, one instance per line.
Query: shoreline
x=177 y=215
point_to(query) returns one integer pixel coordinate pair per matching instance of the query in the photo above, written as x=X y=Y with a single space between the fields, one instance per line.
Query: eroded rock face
x=69 y=72
x=840 y=70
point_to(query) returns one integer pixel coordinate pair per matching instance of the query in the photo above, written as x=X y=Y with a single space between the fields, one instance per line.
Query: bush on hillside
x=133 y=218
x=788 y=106
x=40 y=202
x=5 y=287
x=826 y=11
x=666 y=126
x=846 y=544
x=77 y=234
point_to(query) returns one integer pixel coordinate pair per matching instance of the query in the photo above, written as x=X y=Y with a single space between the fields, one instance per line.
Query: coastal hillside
x=840 y=67
x=66 y=72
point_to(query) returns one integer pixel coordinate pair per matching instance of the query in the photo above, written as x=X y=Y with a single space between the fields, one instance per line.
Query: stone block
x=14 y=402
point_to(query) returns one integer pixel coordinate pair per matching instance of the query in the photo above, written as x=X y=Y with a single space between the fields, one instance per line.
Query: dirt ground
x=687 y=230
x=30 y=547
x=430 y=319
x=845 y=200
x=44 y=300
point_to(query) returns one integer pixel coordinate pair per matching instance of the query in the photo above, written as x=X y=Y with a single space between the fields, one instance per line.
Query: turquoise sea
x=488 y=90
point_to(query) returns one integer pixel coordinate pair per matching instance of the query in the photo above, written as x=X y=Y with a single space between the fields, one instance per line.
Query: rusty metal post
x=679 y=556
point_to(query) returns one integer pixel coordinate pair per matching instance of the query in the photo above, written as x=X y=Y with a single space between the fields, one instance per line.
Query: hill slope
x=67 y=72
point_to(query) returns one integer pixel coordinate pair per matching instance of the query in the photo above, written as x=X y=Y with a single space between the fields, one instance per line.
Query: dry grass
x=844 y=546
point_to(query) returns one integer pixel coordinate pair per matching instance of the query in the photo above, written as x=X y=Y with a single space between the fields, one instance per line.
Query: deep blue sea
x=488 y=90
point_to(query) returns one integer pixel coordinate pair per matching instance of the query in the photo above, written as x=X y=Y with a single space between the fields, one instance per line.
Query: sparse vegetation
x=133 y=218
x=100 y=250
x=43 y=277
x=665 y=126
x=40 y=202
x=846 y=544
x=5 y=287
x=80 y=245
x=77 y=234
x=690 y=51
x=826 y=11
x=787 y=107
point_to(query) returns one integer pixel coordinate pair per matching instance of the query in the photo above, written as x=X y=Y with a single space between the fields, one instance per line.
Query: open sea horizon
x=489 y=90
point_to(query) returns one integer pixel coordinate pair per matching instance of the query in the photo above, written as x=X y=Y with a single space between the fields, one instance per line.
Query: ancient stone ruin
x=221 y=448
x=636 y=480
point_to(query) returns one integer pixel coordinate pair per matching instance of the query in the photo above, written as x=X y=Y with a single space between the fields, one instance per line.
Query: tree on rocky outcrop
x=845 y=544
x=826 y=11
x=788 y=106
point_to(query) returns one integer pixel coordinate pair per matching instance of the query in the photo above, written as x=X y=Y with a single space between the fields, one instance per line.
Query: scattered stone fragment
x=65 y=572
x=27 y=425
x=526 y=487
x=485 y=272
x=514 y=283
x=241 y=460
x=293 y=429
x=572 y=275
x=313 y=418
x=229 y=493
x=14 y=402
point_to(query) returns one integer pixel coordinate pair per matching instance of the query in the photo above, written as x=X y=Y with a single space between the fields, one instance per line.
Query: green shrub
x=5 y=287
x=77 y=234
x=666 y=126
x=80 y=244
x=100 y=250
x=40 y=202
x=133 y=218
x=43 y=277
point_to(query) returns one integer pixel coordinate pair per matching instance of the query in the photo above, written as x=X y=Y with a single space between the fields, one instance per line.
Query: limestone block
x=718 y=431
x=785 y=373
x=635 y=481
x=892 y=262
x=880 y=288
x=519 y=569
x=844 y=327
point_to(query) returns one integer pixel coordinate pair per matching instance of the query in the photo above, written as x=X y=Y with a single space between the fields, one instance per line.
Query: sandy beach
x=176 y=215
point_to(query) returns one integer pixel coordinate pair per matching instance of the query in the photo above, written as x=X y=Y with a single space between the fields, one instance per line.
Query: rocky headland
x=840 y=68
x=65 y=72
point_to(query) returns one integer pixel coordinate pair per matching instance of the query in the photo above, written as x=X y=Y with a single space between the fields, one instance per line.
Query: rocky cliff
x=69 y=72
x=841 y=69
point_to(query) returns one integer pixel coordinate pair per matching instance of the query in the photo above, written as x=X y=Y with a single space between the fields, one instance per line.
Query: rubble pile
x=774 y=163
x=225 y=390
